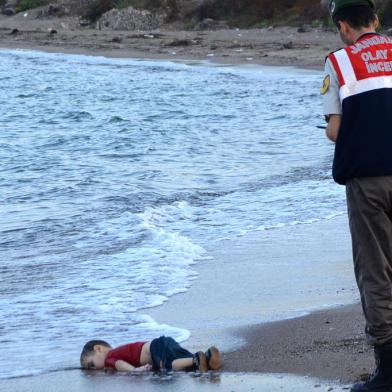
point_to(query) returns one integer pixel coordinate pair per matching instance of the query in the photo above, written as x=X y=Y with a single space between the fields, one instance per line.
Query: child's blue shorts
x=164 y=351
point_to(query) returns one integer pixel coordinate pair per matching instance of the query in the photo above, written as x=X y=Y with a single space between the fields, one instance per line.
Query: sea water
x=117 y=175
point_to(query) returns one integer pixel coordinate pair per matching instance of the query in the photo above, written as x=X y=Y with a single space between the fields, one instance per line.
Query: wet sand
x=328 y=344
x=76 y=381
x=324 y=350
x=225 y=307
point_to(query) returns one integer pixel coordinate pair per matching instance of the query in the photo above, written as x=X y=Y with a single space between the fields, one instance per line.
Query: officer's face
x=346 y=33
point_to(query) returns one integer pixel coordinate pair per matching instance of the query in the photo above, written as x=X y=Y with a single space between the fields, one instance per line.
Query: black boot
x=381 y=380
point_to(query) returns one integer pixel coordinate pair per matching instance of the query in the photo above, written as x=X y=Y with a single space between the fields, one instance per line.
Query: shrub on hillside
x=94 y=10
x=29 y=4
x=140 y=4
x=147 y=4
x=172 y=9
x=385 y=12
x=249 y=12
x=169 y=6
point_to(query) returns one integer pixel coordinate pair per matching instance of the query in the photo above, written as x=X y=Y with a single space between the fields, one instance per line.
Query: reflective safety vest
x=364 y=144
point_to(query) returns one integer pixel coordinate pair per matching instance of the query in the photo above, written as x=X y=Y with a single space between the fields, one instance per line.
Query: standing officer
x=357 y=94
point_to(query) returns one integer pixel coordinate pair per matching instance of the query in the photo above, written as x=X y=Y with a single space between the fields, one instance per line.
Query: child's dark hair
x=89 y=348
x=357 y=17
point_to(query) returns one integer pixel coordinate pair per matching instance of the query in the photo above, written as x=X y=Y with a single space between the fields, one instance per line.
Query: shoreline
x=77 y=381
x=281 y=46
x=324 y=338
x=327 y=344
x=134 y=54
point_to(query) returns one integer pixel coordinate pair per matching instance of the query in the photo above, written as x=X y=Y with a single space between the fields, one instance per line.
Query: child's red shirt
x=128 y=352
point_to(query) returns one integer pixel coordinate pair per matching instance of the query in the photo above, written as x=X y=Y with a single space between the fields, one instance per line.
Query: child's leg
x=179 y=357
x=182 y=364
x=166 y=354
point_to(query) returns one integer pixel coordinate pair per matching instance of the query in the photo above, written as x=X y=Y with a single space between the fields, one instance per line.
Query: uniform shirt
x=363 y=74
x=129 y=353
x=331 y=101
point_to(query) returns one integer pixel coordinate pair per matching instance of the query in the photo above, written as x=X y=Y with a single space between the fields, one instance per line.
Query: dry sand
x=270 y=46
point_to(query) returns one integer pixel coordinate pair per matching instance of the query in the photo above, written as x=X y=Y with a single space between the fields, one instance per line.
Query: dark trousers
x=369 y=202
x=164 y=351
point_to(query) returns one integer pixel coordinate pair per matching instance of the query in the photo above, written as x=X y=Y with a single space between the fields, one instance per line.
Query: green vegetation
x=263 y=24
x=140 y=4
x=94 y=10
x=120 y=4
x=238 y=13
x=147 y=4
x=190 y=24
x=260 y=13
x=251 y=12
x=385 y=13
x=29 y=4
x=317 y=23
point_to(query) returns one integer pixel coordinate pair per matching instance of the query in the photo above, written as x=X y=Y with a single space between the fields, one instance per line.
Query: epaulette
x=334 y=51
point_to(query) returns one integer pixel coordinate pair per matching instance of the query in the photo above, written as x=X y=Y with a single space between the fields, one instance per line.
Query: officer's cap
x=336 y=5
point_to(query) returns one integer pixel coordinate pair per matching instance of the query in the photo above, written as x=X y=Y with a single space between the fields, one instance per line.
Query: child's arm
x=123 y=366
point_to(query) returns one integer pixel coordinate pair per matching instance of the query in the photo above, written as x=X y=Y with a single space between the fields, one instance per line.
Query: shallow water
x=75 y=382
x=118 y=174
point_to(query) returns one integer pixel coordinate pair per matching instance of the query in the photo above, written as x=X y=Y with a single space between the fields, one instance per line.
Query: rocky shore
x=130 y=32
x=306 y=47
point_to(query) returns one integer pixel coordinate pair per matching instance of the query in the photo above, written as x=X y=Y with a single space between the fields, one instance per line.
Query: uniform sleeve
x=331 y=100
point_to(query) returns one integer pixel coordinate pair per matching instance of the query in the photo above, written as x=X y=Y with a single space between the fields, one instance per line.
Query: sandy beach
x=269 y=46
x=223 y=306
x=76 y=381
x=327 y=344
x=322 y=349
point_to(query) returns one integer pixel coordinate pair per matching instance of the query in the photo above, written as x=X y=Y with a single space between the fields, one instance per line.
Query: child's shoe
x=200 y=362
x=213 y=358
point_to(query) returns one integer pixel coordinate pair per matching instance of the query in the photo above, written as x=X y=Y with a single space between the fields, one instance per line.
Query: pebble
x=9 y=11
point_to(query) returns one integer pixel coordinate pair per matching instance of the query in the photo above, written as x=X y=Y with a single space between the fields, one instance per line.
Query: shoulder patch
x=326 y=84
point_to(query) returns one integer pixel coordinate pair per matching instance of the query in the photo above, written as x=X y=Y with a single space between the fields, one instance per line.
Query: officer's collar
x=365 y=34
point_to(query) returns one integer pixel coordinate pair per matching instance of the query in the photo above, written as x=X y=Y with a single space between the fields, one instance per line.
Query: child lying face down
x=163 y=353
